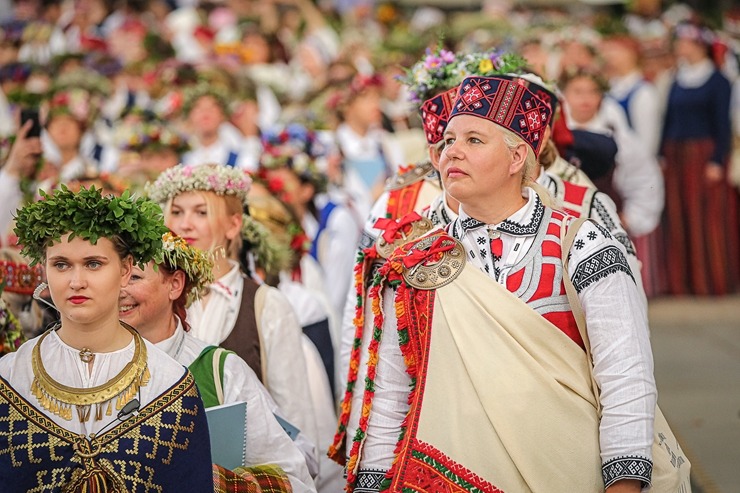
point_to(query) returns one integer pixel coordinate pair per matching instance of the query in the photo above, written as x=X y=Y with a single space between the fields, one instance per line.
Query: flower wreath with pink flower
x=219 y=179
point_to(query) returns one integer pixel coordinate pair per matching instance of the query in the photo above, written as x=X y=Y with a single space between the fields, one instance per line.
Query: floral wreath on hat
x=435 y=72
x=194 y=262
x=296 y=148
x=217 y=178
x=89 y=215
x=488 y=64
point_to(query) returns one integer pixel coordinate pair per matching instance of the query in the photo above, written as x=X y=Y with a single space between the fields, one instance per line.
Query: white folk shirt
x=623 y=362
x=266 y=441
x=637 y=176
x=281 y=338
x=62 y=362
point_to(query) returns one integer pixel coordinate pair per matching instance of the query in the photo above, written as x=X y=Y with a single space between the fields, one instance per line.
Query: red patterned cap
x=506 y=102
x=435 y=112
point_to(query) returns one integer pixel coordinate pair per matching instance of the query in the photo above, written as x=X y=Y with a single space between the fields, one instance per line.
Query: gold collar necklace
x=59 y=399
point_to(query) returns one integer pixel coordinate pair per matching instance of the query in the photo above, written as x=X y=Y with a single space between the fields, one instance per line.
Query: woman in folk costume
x=107 y=410
x=436 y=77
x=206 y=205
x=155 y=302
x=701 y=222
x=276 y=219
x=483 y=333
x=573 y=198
x=432 y=84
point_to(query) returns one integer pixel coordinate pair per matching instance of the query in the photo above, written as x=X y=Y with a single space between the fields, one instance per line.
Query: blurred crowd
x=113 y=93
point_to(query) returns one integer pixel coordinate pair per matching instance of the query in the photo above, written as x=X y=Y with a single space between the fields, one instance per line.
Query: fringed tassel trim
x=337 y=449
x=369 y=394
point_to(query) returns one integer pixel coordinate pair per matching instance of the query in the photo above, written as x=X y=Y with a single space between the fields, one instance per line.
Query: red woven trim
x=414 y=310
x=431 y=471
x=337 y=449
x=369 y=394
x=403 y=200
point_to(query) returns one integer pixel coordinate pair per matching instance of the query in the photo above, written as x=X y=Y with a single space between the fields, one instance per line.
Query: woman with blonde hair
x=206 y=205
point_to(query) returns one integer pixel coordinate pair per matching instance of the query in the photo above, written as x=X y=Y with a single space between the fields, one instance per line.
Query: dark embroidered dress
x=165 y=446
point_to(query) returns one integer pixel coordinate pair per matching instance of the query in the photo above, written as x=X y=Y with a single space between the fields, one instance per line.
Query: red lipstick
x=78 y=300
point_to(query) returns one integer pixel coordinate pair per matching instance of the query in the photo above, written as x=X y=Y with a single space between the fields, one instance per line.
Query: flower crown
x=194 y=262
x=91 y=216
x=193 y=93
x=73 y=102
x=435 y=72
x=87 y=80
x=153 y=135
x=297 y=148
x=489 y=64
x=216 y=178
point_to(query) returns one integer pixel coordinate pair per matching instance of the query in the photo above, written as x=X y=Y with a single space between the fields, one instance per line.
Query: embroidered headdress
x=194 y=262
x=90 y=215
x=506 y=102
x=216 y=178
x=436 y=108
x=20 y=278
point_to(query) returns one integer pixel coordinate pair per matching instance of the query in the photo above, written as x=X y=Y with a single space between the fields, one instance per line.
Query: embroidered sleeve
x=600 y=264
x=604 y=213
x=617 y=327
x=627 y=468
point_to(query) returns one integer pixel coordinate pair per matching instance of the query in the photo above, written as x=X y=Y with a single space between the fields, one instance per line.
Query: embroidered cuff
x=627 y=468
x=369 y=480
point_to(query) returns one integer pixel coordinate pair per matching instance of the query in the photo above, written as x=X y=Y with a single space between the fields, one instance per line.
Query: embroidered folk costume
x=221 y=376
x=253 y=320
x=475 y=321
x=128 y=420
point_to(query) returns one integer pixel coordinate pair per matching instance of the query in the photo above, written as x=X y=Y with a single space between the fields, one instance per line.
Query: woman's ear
x=435 y=151
x=127 y=265
x=518 y=158
x=177 y=284
x=233 y=226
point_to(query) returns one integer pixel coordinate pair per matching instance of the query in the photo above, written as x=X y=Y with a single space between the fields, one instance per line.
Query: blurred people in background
x=701 y=223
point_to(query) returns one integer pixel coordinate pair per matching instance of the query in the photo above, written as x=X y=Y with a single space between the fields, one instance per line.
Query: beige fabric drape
x=507 y=394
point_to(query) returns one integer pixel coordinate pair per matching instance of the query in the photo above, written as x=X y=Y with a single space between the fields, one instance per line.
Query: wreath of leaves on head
x=87 y=214
x=197 y=264
x=270 y=254
x=193 y=93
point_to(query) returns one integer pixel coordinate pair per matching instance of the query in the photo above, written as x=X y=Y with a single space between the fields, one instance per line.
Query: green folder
x=227 y=426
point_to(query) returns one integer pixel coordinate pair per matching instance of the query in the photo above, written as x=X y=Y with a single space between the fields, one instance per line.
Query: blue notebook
x=227 y=425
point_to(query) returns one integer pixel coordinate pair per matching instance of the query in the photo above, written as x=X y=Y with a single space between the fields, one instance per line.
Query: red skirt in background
x=700 y=224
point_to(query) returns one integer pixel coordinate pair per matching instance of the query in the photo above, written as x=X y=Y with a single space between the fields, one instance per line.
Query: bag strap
x=567 y=237
x=217 y=377
x=259 y=303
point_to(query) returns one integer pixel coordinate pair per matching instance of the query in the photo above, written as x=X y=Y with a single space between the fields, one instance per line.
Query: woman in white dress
x=89 y=405
x=206 y=206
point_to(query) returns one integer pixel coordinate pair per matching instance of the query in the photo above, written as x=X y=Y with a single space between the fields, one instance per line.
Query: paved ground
x=696 y=344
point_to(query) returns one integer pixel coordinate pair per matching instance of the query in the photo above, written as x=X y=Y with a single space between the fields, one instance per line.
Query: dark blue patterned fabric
x=164 y=447
x=506 y=102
